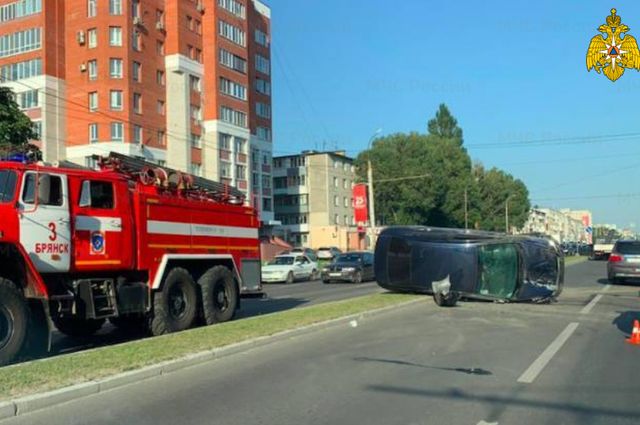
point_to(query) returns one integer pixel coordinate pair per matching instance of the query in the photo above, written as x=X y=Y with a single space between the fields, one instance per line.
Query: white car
x=289 y=268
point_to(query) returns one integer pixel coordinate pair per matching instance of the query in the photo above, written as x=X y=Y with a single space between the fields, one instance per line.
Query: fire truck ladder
x=150 y=173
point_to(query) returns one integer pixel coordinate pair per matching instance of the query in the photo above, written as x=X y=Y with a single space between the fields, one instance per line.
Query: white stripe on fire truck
x=94 y=224
x=193 y=229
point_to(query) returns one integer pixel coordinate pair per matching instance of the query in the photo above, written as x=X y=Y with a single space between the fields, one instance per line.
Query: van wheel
x=78 y=328
x=14 y=317
x=448 y=300
x=176 y=305
x=219 y=295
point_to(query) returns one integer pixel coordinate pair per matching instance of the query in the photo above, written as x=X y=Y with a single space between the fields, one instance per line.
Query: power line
x=621 y=195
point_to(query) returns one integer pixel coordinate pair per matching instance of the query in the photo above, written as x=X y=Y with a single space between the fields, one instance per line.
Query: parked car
x=328 y=253
x=624 y=261
x=450 y=263
x=289 y=268
x=305 y=251
x=353 y=267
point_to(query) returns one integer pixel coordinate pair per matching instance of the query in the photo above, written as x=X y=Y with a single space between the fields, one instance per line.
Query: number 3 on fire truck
x=54 y=235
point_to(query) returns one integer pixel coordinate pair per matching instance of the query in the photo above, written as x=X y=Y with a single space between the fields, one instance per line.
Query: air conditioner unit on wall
x=80 y=37
x=160 y=26
x=200 y=7
x=137 y=21
x=83 y=67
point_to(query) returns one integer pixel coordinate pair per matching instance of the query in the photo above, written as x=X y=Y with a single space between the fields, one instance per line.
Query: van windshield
x=8 y=180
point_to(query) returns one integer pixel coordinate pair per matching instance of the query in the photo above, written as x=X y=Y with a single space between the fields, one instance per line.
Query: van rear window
x=8 y=181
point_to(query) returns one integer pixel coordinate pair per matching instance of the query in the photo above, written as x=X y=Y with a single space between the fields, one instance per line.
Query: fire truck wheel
x=14 y=317
x=78 y=327
x=219 y=295
x=176 y=306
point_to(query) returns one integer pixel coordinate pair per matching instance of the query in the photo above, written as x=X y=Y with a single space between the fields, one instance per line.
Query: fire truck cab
x=148 y=248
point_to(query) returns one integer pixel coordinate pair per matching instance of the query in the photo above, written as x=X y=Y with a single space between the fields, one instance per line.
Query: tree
x=445 y=125
x=16 y=129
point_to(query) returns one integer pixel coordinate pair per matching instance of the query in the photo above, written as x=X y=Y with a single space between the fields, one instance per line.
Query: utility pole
x=466 y=209
x=506 y=215
x=372 y=203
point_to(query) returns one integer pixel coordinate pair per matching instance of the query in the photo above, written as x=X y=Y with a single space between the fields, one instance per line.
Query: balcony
x=241 y=158
x=266 y=168
x=225 y=154
x=266 y=191
x=242 y=184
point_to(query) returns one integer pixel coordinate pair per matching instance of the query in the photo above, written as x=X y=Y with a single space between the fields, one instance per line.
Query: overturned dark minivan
x=450 y=263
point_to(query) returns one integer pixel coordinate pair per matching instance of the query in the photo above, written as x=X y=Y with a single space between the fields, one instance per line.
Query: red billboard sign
x=360 y=203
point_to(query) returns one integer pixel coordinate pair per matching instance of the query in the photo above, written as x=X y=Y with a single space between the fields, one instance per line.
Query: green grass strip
x=65 y=370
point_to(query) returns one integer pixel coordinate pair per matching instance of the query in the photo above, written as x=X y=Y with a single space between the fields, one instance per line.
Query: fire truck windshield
x=8 y=180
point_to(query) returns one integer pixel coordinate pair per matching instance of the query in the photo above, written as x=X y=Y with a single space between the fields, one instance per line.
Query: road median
x=110 y=366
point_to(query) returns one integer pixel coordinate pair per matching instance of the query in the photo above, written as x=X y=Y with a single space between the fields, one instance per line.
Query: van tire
x=175 y=306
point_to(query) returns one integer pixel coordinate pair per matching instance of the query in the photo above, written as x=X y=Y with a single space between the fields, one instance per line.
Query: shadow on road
x=464 y=396
x=468 y=371
x=624 y=321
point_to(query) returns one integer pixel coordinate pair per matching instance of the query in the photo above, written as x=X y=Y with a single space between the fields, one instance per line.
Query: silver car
x=624 y=261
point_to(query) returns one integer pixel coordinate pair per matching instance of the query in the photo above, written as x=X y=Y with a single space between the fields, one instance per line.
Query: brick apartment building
x=184 y=83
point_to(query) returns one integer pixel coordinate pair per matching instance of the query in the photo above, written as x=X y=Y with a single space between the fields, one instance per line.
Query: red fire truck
x=146 y=247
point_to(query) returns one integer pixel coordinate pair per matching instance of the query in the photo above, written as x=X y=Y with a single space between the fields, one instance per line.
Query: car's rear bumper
x=632 y=271
x=338 y=276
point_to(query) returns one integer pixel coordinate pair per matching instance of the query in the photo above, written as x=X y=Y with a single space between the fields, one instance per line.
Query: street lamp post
x=372 y=202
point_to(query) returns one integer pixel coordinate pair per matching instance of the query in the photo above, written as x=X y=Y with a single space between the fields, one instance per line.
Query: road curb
x=31 y=403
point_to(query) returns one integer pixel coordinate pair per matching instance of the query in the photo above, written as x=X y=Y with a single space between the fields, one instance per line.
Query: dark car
x=450 y=263
x=353 y=267
x=624 y=261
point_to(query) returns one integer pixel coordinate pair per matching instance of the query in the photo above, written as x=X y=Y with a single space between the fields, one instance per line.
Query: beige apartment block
x=313 y=198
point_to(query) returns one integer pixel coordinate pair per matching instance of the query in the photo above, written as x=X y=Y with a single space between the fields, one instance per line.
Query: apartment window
x=159 y=17
x=345 y=184
x=345 y=204
x=262 y=64
x=19 y=9
x=196 y=113
x=135 y=8
x=198 y=55
x=115 y=36
x=115 y=7
x=225 y=170
x=196 y=169
x=115 y=68
x=137 y=103
x=93 y=133
x=263 y=86
x=160 y=77
x=231 y=32
x=190 y=52
x=264 y=133
x=335 y=182
x=93 y=101
x=233 y=117
x=234 y=7
x=196 y=141
x=136 y=71
x=20 y=42
x=92 y=8
x=233 y=89
x=232 y=61
x=162 y=163
x=117 y=131
x=20 y=70
x=137 y=134
x=262 y=38
x=336 y=201
x=160 y=47
x=266 y=182
x=93 y=69
x=160 y=137
x=240 y=145
x=160 y=107
x=198 y=26
x=263 y=110
x=28 y=99
x=224 y=141
x=241 y=172
x=194 y=83
x=136 y=41
x=92 y=38
x=115 y=100
x=37 y=128
x=336 y=219
x=345 y=167
x=190 y=23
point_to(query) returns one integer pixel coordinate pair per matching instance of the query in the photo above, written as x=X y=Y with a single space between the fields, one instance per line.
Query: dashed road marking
x=587 y=308
x=536 y=367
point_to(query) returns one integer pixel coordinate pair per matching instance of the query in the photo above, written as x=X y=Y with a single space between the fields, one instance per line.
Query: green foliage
x=439 y=198
x=16 y=129
x=445 y=125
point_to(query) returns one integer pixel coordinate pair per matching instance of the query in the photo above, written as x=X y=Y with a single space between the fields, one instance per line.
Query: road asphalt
x=478 y=363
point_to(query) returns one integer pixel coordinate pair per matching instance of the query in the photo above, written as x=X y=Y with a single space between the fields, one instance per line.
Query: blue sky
x=510 y=71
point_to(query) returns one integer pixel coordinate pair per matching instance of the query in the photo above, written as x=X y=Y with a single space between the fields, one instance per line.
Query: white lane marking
x=587 y=308
x=487 y=423
x=536 y=367
x=606 y=288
